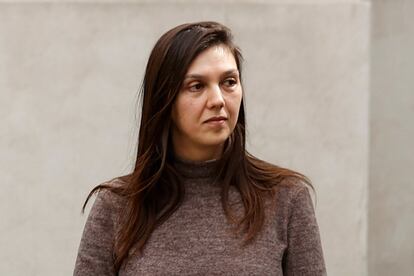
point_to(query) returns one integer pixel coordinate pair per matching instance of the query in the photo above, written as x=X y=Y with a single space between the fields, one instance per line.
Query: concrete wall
x=69 y=75
x=391 y=201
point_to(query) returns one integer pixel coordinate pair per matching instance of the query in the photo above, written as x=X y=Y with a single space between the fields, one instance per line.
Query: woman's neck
x=198 y=154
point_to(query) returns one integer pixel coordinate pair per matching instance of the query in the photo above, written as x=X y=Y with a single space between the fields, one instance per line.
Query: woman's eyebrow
x=231 y=72
x=199 y=76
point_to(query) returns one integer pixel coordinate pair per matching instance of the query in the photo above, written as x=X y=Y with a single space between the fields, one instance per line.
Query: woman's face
x=206 y=109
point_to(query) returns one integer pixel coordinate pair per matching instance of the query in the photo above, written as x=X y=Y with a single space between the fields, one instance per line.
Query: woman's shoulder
x=108 y=195
x=292 y=185
x=292 y=199
x=287 y=190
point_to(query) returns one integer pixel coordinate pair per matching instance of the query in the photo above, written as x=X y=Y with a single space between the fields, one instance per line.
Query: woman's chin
x=216 y=141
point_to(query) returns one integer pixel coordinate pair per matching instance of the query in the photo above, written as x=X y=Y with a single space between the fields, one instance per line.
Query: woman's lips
x=219 y=122
x=217 y=118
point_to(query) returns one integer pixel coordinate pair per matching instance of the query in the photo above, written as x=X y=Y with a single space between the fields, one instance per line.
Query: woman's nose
x=215 y=97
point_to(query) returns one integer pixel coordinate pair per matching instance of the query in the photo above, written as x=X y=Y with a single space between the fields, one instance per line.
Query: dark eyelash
x=196 y=84
x=231 y=81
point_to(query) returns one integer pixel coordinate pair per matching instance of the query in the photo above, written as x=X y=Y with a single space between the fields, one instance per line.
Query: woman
x=197 y=203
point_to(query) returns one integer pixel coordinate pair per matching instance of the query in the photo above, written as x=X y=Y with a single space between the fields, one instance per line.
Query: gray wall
x=69 y=75
x=391 y=201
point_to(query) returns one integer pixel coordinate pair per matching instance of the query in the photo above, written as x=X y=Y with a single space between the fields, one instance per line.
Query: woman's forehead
x=218 y=57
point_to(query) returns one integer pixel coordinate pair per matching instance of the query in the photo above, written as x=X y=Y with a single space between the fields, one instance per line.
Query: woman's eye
x=230 y=82
x=196 y=87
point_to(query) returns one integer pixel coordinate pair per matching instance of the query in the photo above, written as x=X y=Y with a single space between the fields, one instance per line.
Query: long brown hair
x=153 y=192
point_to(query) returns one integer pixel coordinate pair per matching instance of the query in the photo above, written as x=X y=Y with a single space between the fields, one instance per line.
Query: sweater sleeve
x=95 y=254
x=303 y=255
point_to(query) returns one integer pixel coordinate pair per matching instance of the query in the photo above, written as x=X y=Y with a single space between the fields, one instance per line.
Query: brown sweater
x=196 y=239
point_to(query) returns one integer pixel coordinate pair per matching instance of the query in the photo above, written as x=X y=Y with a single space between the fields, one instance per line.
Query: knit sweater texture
x=198 y=240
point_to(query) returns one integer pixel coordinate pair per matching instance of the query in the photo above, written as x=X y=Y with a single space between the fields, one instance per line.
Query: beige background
x=329 y=93
x=391 y=197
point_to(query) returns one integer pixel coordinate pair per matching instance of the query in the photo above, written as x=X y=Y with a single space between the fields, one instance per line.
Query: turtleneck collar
x=196 y=169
